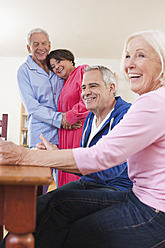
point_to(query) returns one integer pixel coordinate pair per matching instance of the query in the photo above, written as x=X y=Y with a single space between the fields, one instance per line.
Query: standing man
x=40 y=89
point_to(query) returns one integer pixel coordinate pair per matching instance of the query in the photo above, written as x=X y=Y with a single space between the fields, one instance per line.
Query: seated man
x=98 y=93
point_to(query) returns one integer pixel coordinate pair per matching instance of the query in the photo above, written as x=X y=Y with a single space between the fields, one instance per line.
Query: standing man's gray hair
x=107 y=74
x=36 y=30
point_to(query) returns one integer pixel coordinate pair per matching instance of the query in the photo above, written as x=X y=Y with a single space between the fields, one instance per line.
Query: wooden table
x=18 y=189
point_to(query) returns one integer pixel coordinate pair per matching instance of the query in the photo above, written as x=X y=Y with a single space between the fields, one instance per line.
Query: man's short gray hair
x=107 y=74
x=36 y=30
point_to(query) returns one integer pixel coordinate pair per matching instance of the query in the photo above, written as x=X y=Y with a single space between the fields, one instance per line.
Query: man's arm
x=43 y=113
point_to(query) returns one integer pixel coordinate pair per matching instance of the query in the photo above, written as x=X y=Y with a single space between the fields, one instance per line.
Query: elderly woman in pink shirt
x=132 y=219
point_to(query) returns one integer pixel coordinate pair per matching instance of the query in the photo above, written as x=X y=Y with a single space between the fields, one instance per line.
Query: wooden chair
x=3 y=125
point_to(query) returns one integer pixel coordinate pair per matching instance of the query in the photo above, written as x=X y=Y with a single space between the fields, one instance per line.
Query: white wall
x=10 y=99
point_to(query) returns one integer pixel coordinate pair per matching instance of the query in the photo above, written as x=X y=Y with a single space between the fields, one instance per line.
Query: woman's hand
x=11 y=153
x=45 y=145
x=65 y=124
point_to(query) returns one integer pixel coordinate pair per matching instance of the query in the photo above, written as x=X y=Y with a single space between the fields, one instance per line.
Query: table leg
x=19 y=215
x=20 y=241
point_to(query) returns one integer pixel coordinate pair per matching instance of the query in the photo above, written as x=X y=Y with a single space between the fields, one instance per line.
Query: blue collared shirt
x=39 y=93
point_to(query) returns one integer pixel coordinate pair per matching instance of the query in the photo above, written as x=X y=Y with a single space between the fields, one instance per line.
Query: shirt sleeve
x=141 y=126
x=32 y=105
x=78 y=112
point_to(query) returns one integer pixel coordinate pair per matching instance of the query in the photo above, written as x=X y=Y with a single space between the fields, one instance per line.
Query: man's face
x=39 y=47
x=96 y=95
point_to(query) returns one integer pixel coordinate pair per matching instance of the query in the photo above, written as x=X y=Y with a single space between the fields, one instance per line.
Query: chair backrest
x=3 y=125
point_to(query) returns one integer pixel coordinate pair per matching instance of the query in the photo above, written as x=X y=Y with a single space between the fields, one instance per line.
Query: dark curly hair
x=60 y=54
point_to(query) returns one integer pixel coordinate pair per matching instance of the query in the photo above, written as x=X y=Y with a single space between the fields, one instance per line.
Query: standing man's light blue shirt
x=39 y=93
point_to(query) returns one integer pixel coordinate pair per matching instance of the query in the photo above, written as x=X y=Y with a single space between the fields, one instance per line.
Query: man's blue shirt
x=39 y=93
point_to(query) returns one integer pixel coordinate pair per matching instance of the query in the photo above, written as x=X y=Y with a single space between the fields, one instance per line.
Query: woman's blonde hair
x=156 y=39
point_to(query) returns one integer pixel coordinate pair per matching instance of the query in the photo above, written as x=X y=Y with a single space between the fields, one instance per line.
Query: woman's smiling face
x=62 y=68
x=142 y=66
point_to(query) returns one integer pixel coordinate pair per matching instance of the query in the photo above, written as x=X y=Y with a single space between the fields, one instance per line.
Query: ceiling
x=89 y=28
